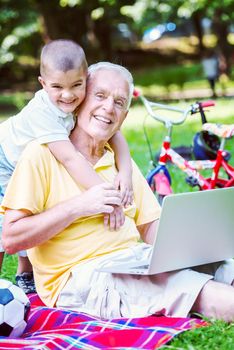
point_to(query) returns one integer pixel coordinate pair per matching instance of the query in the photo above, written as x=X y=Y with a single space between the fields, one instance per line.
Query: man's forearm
x=23 y=230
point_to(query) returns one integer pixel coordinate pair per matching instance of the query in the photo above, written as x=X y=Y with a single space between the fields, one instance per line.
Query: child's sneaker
x=26 y=282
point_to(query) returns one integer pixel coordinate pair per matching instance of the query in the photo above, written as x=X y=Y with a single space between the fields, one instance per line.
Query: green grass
x=161 y=81
x=9 y=267
x=218 y=335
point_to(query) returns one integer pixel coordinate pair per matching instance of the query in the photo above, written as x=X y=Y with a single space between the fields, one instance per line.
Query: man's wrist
x=74 y=209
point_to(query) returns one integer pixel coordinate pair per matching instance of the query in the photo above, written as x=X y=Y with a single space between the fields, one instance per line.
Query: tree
x=27 y=24
x=160 y=11
x=75 y=20
x=20 y=40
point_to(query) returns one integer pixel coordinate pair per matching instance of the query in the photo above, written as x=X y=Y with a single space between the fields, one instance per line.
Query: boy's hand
x=123 y=182
x=115 y=219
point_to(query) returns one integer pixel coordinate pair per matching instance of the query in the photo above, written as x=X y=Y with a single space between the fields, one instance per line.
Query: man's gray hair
x=122 y=70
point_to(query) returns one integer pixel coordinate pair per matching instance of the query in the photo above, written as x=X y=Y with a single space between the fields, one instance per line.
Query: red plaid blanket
x=53 y=329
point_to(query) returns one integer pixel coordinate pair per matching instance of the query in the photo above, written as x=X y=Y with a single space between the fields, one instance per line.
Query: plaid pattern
x=53 y=329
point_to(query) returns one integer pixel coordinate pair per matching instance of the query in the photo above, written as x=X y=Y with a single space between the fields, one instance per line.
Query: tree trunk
x=198 y=28
x=62 y=22
x=103 y=33
x=221 y=30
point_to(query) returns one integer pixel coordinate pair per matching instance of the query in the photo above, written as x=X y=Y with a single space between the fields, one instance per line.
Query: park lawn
x=183 y=80
x=218 y=335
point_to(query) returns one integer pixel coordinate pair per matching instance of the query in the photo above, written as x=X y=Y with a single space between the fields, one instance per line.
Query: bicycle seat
x=221 y=130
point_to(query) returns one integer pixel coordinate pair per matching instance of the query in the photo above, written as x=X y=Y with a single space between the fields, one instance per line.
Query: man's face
x=105 y=106
x=66 y=90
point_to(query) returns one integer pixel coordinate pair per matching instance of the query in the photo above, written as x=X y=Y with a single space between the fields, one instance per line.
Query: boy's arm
x=124 y=165
x=77 y=166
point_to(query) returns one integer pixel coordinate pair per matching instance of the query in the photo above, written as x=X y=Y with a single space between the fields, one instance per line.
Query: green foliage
x=15 y=101
x=19 y=29
x=176 y=11
x=26 y=24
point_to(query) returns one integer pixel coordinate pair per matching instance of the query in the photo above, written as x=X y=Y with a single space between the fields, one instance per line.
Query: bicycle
x=159 y=177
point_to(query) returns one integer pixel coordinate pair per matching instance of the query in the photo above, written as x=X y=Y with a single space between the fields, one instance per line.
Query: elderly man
x=62 y=226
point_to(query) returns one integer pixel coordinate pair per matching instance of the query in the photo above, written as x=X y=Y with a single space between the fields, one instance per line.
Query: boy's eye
x=80 y=83
x=56 y=87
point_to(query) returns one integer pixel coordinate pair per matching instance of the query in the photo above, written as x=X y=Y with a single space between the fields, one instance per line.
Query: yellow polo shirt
x=40 y=182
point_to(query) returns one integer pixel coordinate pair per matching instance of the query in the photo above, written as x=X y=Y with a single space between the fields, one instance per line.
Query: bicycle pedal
x=192 y=181
x=227 y=155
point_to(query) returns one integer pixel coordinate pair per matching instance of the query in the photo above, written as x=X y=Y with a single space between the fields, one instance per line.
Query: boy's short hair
x=62 y=55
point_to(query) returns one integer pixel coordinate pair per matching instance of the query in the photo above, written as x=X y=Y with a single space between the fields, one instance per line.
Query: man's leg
x=216 y=300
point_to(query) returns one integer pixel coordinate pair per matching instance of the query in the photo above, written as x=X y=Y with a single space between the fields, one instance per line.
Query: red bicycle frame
x=159 y=177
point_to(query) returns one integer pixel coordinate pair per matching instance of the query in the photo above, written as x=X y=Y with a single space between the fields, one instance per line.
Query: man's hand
x=99 y=199
x=123 y=182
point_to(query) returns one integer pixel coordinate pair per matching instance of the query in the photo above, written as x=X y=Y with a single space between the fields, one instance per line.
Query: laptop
x=195 y=228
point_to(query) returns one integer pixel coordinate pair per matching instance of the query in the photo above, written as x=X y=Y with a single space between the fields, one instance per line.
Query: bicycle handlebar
x=152 y=106
x=207 y=104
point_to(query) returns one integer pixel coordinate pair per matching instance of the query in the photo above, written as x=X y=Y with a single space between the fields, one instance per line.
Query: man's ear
x=41 y=81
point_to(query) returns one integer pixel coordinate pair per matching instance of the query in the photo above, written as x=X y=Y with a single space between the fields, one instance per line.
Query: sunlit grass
x=161 y=81
x=9 y=267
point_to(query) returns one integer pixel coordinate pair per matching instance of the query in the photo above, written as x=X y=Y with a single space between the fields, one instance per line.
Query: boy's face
x=66 y=90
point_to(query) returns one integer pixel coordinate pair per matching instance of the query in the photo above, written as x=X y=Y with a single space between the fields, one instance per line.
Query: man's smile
x=103 y=119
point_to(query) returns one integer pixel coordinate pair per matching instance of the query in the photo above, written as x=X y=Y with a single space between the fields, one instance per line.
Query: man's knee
x=216 y=301
x=225 y=272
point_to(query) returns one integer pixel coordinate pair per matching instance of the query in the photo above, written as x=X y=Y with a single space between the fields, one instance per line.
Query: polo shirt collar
x=107 y=159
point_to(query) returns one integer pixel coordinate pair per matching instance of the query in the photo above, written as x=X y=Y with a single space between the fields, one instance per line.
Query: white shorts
x=109 y=295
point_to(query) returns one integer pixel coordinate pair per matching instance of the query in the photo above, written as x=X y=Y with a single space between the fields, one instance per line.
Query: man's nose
x=109 y=104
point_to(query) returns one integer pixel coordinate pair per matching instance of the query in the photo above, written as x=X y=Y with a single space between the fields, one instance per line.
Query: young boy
x=49 y=118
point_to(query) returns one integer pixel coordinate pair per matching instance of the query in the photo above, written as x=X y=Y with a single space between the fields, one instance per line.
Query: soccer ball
x=14 y=305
